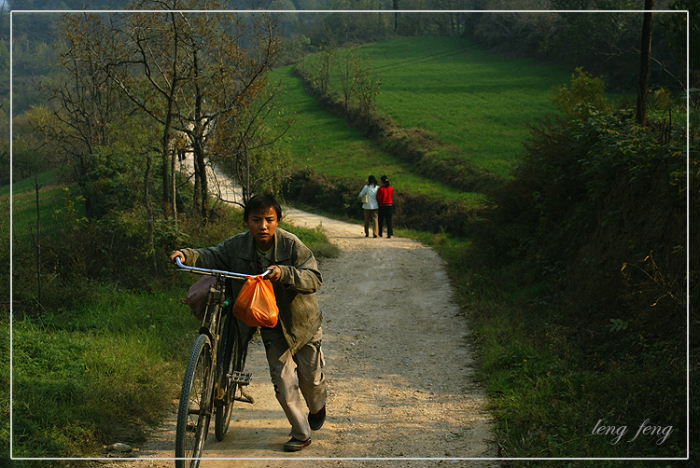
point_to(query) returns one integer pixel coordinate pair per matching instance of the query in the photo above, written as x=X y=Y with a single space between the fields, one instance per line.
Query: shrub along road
x=398 y=365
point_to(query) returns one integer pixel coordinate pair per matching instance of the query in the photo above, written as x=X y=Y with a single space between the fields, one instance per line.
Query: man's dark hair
x=262 y=202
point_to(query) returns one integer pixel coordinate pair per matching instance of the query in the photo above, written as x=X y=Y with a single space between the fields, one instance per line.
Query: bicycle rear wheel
x=234 y=350
x=194 y=412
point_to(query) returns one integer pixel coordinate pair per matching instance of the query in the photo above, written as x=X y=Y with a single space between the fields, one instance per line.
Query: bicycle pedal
x=240 y=378
x=244 y=397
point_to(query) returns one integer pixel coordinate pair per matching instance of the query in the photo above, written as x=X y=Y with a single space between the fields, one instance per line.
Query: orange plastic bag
x=256 y=305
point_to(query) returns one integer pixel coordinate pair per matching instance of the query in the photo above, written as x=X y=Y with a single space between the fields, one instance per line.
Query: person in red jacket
x=385 y=199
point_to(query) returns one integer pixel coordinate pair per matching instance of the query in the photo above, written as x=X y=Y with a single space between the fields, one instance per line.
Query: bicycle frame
x=215 y=302
x=217 y=383
x=210 y=321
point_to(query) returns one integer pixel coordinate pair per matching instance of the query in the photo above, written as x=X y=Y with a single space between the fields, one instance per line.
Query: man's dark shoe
x=316 y=420
x=294 y=445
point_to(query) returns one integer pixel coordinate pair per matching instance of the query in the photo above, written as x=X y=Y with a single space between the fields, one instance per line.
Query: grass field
x=478 y=105
x=99 y=372
x=51 y=196
x=87 y=374
x=328 y=145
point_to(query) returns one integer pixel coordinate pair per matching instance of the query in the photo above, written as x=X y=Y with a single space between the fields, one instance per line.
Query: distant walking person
x=385 y=198
x=370 y=207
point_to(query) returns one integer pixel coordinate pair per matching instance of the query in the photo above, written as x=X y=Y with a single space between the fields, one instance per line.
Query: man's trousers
x=299 y=382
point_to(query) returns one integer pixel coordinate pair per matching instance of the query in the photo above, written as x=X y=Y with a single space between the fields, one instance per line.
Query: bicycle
x=215 y=371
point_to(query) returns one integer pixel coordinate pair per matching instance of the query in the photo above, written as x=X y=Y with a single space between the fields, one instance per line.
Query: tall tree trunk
x=173 y=184
x=203 y=183
x=395 y=6
x=165 y=153
x=169 y=179
x=198 y=140
x=149 y=213
x=165 y=167
x=645 y=56
x=38 y=240
x=197 y=180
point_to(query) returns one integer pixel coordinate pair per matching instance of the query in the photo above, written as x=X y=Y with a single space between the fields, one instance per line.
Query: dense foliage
x=588 y=247
x=597 y=193
x=91 y=237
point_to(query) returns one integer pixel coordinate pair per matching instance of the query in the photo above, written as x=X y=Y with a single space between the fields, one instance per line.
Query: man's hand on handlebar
x=175 y=254
x=275 y=273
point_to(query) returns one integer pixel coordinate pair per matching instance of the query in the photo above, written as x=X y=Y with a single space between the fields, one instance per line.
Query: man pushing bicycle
x=293 y=347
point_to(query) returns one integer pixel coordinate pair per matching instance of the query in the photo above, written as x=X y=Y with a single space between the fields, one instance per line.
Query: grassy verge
x=545 y=393
x=99 y=373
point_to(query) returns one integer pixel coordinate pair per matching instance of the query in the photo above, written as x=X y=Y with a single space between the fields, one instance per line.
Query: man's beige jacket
x=300 y=316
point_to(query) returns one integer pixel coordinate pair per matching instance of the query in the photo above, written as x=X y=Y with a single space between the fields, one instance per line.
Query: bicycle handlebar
x=222 y=273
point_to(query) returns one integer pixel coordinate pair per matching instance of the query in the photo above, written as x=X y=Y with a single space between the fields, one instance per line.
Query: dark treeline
x=606 y=44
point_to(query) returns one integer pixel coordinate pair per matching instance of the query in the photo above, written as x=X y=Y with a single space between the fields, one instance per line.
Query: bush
x=583 y=95
x=597 y=212
x=587 y=264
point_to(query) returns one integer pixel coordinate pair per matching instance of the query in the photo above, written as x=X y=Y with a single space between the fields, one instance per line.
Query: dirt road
x=398 y=367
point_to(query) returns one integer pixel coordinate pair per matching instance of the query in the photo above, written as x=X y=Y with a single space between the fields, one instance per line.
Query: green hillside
x=329 y=146
x=478 y=105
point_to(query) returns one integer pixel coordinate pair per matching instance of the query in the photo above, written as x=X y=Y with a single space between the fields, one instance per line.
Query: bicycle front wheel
x=194 y=412
x=234 y=360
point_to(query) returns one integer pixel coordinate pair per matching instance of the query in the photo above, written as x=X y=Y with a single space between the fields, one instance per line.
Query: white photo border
x=688 y=427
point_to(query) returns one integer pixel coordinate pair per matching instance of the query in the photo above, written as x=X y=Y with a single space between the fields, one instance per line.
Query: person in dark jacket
x=385 y=199
x=293 y=347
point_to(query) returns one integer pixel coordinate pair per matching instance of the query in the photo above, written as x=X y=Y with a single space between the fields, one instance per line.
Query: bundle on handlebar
x=211 y=272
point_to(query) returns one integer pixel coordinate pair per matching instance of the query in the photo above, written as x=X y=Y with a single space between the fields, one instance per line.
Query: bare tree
x=150 y=53
x=245 y=146
x=366 y=86
x=644 y=63
x=224 y=78
x=348 y=77
x=323 y=74
x=85 y=102
x=184 y=70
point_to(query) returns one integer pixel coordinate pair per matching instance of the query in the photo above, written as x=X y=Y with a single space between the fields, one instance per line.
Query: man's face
x=262 y=225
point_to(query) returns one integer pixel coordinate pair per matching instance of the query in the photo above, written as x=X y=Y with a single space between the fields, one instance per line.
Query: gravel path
x=398 y=365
